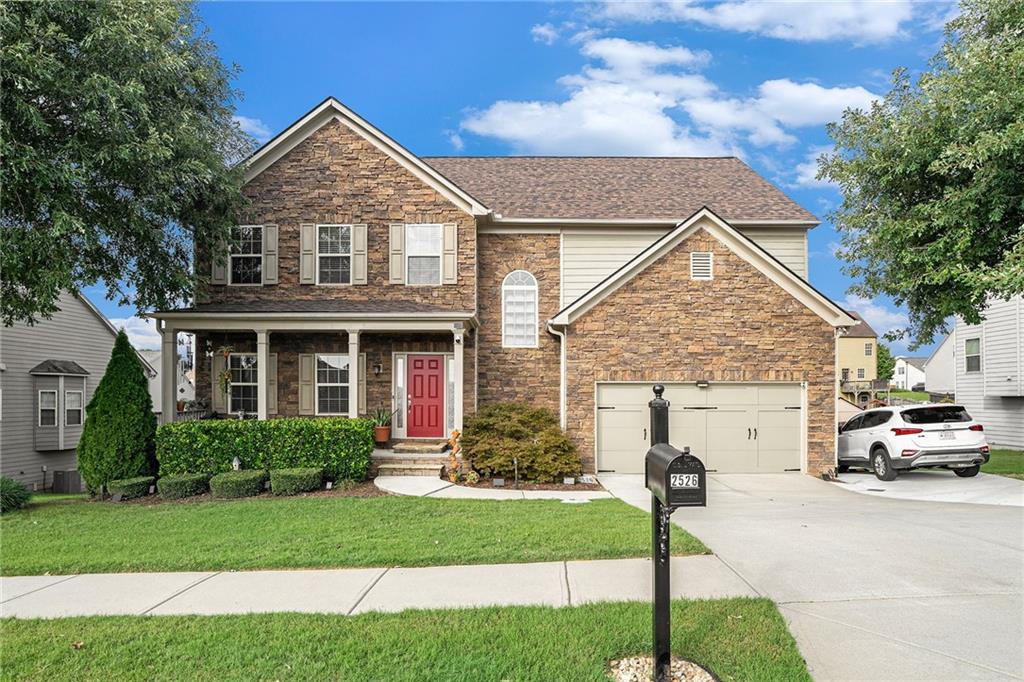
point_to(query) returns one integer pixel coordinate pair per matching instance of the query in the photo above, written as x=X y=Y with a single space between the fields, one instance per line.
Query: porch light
x=377 y=369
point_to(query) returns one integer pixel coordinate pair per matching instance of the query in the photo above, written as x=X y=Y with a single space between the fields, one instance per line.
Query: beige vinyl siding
x=588 y=256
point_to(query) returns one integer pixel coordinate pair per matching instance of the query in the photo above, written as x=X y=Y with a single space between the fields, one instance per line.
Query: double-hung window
x=868 y=349
x=334 y=254
x=519 y=310
x=860 y=372
x=423 y=254
x=246 y=254
x=244 y=389
x=72 y=408
x=332 y=384
x=48 y=408
x=972 y=355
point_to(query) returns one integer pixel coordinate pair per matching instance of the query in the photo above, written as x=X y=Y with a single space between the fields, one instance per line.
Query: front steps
x=410 y=459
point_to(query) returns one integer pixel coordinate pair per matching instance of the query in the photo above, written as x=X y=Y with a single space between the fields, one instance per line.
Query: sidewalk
x=429 y=486
x=360 y=590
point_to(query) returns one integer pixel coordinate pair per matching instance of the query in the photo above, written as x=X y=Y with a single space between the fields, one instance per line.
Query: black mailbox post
x=676 y=479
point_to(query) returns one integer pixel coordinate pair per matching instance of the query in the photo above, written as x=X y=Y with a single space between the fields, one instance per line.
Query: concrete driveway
x=939 y=485
x=873 y=588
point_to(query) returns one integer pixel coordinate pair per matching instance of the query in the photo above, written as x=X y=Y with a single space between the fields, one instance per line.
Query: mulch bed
x=361 y=489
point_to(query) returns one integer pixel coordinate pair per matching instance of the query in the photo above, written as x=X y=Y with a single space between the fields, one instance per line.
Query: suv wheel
x=882 y=466
x=968 y=472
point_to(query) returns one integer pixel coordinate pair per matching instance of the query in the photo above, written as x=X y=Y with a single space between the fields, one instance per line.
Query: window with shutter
x=519 y=310
x=700 y=265
x=246 y=259
x=334 y=254
x=423 y=254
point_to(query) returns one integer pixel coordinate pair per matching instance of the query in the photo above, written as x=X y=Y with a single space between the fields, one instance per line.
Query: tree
x=118 y=439
x=932 y=176
x=118 y=147
x=885 y=363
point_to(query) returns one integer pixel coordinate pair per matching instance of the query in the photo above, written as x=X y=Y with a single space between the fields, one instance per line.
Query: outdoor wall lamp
x=377 y=369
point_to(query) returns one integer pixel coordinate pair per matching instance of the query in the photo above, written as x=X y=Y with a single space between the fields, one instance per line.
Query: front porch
x=415 y=365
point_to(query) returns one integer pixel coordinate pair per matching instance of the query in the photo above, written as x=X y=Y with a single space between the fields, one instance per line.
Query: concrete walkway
x=360 y=590
x=939 y=485
x=429 y=486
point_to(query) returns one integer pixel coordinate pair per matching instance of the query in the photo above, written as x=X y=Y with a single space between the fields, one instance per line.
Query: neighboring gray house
x=989 y=362
x=185 y=389
x=940 y=368
x=48 y=373
x=909 y=372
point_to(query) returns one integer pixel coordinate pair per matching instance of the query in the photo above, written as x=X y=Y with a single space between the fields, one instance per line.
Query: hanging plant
x=224 y=378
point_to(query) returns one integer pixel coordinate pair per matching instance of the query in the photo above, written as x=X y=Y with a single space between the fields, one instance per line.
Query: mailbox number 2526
x=683 y=480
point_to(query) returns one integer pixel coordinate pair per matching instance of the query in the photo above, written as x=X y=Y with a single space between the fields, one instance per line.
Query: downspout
x=561 y=373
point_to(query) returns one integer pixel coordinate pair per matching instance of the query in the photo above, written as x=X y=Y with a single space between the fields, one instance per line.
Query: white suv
x=898 y=438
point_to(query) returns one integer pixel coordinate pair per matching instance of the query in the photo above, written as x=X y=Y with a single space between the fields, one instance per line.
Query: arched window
x=519 y=310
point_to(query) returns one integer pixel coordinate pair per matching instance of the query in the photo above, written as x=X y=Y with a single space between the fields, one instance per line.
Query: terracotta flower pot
x=381 y=434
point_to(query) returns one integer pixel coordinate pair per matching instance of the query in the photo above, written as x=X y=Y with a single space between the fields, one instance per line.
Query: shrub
x=118 y=437
x=294 y=481
x=183 y=485
x=13 y=494
x=131 y=487
x=238 y=483
x=501 y=432
x=338 y=445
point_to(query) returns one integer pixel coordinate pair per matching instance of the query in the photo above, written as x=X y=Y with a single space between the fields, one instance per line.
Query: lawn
x=69 y=536
x=919 y=396
x=1006 y=463
x=738 y=639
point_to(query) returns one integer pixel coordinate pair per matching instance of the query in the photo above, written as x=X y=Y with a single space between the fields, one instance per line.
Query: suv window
x=853 y=424
x=873 y=419
x=936 y=415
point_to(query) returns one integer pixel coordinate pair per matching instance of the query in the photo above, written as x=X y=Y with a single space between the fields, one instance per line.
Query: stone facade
x=335 y=176
x=740 y=326
x=519 y=374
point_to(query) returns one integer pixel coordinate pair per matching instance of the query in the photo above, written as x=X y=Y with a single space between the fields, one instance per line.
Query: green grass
x=738 y=639
x=319 y=532
x=920 y=396
x=1008 y=463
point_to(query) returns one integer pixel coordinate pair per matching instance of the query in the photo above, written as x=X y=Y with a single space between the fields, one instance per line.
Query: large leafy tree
x=933 y=176
x=885 y=363
x=117 y=144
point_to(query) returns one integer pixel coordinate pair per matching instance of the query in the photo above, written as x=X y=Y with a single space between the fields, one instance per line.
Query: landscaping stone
x=641 y=669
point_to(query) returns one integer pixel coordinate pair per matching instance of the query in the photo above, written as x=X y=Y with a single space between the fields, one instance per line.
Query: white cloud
x=141 y=331
x=881 y=318
x=863 y=21
x=806 y=172
x=253 y=126
x=544 y=33
x=642 y=98
x=455 y=140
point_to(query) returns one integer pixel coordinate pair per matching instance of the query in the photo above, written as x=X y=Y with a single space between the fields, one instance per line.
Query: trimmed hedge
x=295 y=481
x=500 y=432
x=131 y=487
x=340 y=446
x=13 y=494
x=244 y=483
x=183 y=485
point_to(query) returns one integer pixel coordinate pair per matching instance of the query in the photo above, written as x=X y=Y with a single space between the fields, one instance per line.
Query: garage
x=732 y=427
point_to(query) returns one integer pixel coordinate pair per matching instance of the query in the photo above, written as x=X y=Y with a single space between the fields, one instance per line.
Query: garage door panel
x=730 y=444
x=688 y=428
x=782 y=395
x=621 y=435
x=723 y=395
x=778 y=439
x=680 y=396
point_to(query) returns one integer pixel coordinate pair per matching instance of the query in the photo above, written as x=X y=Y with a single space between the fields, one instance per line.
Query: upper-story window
x=423 y=254
x=972 y=355
x=868 y=349
x=246 y=254
x=334 y=254
x=72 y=408
x=244 y=374
x=519 y=310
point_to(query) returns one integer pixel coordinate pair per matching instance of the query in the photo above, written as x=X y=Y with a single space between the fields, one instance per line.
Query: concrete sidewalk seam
x=447 y=485
x=181 y=591
x=362 y=595
x=38 y=589
x=942 y=595
x=904 y=642
x=565 y=579
x=746 y=582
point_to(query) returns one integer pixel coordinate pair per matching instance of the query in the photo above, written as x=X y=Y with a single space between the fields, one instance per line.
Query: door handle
x=755 y=433
x=645 y=433
x=748 y=433
x=408 y=402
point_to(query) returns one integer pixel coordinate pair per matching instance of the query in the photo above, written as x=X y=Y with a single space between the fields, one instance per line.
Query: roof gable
x=333 y=110
x=742 y=246
x=862 y=330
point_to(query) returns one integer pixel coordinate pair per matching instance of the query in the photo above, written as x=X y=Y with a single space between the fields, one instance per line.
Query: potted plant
x=382 y=425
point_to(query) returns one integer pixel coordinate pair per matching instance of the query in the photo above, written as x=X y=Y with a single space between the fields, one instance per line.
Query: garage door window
x=519 y=310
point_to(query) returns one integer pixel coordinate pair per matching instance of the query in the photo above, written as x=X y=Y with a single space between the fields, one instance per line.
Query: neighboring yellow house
x=857 y=355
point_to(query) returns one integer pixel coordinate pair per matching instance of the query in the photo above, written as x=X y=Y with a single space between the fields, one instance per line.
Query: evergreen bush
x=183 y=485
x=13 y=494
x=245 y=483
x=295 y=481
x=129 y=488
x=500 y=433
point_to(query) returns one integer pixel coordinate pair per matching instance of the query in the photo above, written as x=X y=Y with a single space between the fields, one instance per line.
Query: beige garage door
x=739 y=428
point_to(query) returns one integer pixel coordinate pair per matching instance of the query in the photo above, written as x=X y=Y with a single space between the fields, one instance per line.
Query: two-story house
x=365 y=276
x=857 y=353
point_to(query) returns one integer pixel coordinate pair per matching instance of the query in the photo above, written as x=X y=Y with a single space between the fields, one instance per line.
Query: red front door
x=426 y=396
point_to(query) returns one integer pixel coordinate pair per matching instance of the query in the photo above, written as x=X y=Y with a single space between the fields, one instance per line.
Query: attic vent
x=700 y=265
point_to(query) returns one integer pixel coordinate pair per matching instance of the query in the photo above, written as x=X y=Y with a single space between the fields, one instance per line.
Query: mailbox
x=675 y=477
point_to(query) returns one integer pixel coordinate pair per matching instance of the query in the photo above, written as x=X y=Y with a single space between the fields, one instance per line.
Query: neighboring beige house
x=857 y=359
x=364 y=276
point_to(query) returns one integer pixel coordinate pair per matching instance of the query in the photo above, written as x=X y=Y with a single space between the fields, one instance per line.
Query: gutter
x=561 y=372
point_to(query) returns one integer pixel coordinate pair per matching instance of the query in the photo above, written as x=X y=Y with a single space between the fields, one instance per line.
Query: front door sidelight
x=426 y=396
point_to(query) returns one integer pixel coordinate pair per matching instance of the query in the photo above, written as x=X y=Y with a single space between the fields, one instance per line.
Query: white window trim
x=967 y=356
x=536 y=308
x=861 y=373
x=243 y=383
x=868 y=348
x=232 y=256
x=317 y=385
x=55 y=408
x=348 y=255
x=440 y=254
x=80 y=410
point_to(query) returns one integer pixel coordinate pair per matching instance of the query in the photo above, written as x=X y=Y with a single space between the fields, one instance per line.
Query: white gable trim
x=330 y=110
x=737 y=243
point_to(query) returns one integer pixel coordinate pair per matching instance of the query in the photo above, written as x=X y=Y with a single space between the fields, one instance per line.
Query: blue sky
x=755 y=79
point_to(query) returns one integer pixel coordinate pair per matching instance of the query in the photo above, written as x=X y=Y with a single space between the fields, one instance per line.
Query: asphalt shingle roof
x=58 y=367
x=325 y=305
x=862 y=329
x=609 y=188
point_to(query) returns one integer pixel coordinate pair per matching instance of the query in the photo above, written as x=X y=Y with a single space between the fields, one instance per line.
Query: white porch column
x=168 y=374
x=457 y=351
x=262 y=373
x=353 y=373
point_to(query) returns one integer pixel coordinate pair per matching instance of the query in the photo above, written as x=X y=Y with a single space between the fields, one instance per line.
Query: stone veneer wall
x=740 y=326
x=521 y=374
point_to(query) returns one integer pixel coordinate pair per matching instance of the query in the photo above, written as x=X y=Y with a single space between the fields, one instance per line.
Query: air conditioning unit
x=67 y=481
